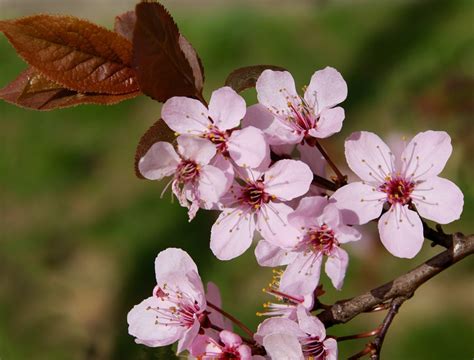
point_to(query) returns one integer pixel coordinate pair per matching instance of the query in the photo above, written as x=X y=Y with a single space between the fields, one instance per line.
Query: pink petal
x=213 y=296
x=142 y=325
x=203 y=344
x=369 y=157
x=275 y=131
x=307 y=211
x=194 y=288
x=311 y=325
x=272 y=256
x=330 y=345
x=185 y=115
x=272 y=224
x=245 y=353
x=401 y=231
x=277 y=325
x=196 y=149
x=438 y=199
x=212 y=184
x=188 y=337
x=283 y=346
x=248 y=147
x=426 y=154
x=226 y=108
x=232 y=233
x=326 y=89
x=288 y=179
x=313 y=158
x=284 y=150
x=345 y=234
x=330 y=216
x=275 y=89
x=160 y=161
x=359 y=203
x=301 y=277
x=230 y=339
x=173 y=260
x=336 y=266
x=329 y=123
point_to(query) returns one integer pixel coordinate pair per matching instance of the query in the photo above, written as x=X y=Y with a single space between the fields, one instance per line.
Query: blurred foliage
x=80 y=232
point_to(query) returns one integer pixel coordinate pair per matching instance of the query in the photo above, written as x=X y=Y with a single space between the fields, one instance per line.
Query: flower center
x=254 y=194
x=398 y=190
x=218 y=138
x=321 y=239
x=182 y=311
x=313 y=348
x=187 y=171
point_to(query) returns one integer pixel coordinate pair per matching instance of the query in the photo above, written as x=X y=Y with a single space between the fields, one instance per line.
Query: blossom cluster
x=259 y=167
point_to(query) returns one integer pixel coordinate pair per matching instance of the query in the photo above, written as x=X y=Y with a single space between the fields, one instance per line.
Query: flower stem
x=233 y=319
x=340 y=177
x=358 y=336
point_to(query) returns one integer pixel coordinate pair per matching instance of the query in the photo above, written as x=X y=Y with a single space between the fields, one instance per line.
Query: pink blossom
x=227 y=346
x=195 y=182
x=177 y=307
x=287 y=118
x=247 y=147
x=321 y=232
x=258 y=204
x=407 y=185
x=284 y=303
x=287 y=339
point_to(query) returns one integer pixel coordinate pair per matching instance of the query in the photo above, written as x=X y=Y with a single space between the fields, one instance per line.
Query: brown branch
x=403 y=286
x=233 y=319
x=378 y=341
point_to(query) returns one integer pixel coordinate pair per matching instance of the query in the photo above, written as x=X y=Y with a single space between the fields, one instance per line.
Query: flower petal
x=226 y=108
x=313 y=158
x=329 y=123
x=188 y=337
x=245 y=353
x=326 y=89
x=213 y=295
x=330 y=345
x=277 y=325
x=248 y=147
x=212 y=184
x=196 y=149
x=302 y=275
x=230 y=339
x=308 y=210
x=275 y=131
x=311 y=325
x=275 y=89
x=359 y=203
x=283 y=346
x=426 y=154
x=232 y=233
x=401 y=231
x=185 y=115
x=173 y=260
x=142 y=325
x=369 y=157
x=160 y=160
x=270 y=255
x=272 y=224
x=336 y=266
x=288 y=179
x=438 y=199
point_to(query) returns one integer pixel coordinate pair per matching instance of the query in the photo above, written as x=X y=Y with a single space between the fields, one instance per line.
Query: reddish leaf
x=165 y=62
x=125 y=23
x=246 y=77
x=159 y=131
x=33 y=91
x=75 y=53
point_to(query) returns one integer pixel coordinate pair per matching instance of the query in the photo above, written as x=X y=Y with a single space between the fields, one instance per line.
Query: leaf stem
x=341 y=179
x=233 y=319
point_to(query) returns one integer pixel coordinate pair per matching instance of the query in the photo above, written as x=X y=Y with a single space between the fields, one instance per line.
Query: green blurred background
x=80 y=232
